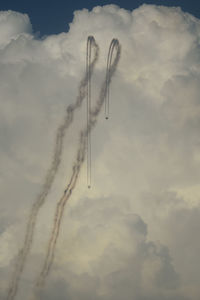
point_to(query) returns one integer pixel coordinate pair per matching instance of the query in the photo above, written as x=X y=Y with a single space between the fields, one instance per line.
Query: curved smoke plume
x=80 y=157
x=50 y=176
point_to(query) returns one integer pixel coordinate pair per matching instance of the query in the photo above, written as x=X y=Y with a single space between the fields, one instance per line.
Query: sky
x=135 y=233
x=53 y=17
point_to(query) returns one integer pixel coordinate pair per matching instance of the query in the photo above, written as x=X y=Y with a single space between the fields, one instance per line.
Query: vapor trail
x=109 y=61
x=80 y=157
x=30 y=227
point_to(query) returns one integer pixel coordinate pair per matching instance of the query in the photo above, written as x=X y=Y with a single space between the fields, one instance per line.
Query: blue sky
x=51 y=17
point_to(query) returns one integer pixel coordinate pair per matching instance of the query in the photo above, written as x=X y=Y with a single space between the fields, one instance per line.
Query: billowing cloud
x=134 y=235
x=13 y=24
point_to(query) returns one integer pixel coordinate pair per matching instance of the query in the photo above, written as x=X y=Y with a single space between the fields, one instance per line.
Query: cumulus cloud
x=13 y=24
x=134 y=235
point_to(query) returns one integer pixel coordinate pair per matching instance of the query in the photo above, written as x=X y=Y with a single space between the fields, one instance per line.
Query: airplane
x=65 y=191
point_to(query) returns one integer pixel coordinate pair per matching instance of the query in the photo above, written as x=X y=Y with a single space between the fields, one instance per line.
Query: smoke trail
x=80 y=157
x=88 y=62
x=109 y=61
x=23 y=253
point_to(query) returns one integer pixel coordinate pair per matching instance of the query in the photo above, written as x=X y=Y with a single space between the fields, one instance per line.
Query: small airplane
x=65 y=191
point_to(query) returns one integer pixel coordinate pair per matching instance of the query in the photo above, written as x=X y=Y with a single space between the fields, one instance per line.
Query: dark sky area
x=51 y=17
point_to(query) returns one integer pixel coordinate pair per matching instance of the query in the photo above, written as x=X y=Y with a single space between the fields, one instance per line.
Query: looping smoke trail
x=109 y=61
x=80 y=157
x=30 y=228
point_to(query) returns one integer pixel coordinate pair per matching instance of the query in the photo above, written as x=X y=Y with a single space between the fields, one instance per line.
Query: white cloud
x=135 y=233
x=12 y=25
